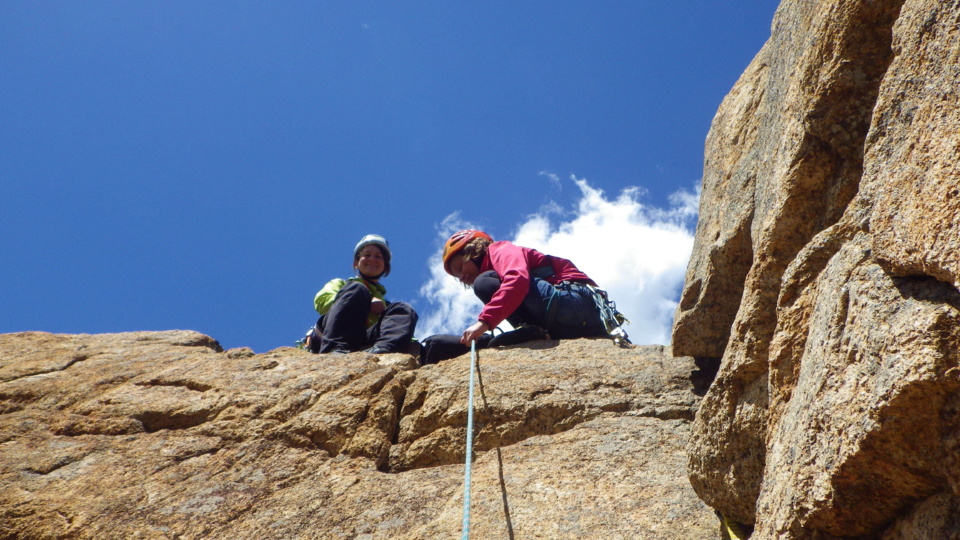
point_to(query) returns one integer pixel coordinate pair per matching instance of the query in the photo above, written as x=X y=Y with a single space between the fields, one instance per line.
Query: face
x=371 y=261
x=464 y=270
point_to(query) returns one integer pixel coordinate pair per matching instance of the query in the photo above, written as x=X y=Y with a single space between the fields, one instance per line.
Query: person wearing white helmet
x=354 y=313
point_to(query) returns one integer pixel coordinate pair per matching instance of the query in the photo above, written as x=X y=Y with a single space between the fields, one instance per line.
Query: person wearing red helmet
x=539 y=295
x=355 y=315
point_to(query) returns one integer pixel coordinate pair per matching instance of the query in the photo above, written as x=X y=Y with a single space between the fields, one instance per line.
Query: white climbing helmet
x=375 y=240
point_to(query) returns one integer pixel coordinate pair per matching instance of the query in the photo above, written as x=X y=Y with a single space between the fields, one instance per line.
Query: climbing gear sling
x=613 y=320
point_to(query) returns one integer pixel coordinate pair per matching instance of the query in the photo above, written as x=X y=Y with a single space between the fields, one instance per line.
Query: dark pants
x=445 y=346
x=344 y=327
x=566 y=310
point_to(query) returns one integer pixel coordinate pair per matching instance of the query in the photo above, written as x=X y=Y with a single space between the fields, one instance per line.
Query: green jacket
x=324 y=299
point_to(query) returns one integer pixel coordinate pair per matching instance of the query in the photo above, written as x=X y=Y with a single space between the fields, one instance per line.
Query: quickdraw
x=613 y=320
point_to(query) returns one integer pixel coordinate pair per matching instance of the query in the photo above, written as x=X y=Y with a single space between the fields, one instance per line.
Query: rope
x=467 y=470
x=503 y=482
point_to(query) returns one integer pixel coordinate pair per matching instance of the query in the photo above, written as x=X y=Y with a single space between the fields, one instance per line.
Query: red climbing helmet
x=456 y=243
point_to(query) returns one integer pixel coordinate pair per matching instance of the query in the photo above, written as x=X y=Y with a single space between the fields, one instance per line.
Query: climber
x=354 y=315
x=541 y=296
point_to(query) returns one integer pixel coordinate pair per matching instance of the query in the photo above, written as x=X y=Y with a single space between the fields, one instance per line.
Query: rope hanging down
x=467 y=469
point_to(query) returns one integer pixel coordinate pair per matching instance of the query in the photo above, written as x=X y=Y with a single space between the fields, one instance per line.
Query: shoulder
x=504 y=248
x=334 y=284
x=508 y=256
x=509 y=250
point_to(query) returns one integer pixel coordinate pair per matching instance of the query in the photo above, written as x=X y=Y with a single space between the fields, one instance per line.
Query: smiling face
x=370 y=262
x=464 y=270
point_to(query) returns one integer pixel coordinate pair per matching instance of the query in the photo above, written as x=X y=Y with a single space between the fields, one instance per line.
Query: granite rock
x=164 y=435
x=825 y=278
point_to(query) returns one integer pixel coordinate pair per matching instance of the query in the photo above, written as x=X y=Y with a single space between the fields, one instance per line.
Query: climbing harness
x=613 y=320
x=467 y=470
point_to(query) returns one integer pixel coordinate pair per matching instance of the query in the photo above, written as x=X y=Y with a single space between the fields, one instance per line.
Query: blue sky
x=210 y=165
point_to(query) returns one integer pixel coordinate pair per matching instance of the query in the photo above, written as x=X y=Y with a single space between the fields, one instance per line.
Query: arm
x=379 y=303
x=324 y=299
x=510 y=263
x=474 y=332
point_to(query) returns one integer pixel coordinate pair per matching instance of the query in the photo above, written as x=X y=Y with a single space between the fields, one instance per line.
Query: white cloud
x=452 y=307
x=554 y=179
x=638 y=254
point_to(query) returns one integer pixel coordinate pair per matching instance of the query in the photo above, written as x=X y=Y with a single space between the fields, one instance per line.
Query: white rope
x=467 y=470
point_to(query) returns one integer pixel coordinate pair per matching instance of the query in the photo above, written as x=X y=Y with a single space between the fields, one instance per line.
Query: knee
x=439 y=347
x=486 y=285
x=354 y=291
x=402 y=308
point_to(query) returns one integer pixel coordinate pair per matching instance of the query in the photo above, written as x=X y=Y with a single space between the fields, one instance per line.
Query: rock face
x=163 y=435
x=825 y=274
